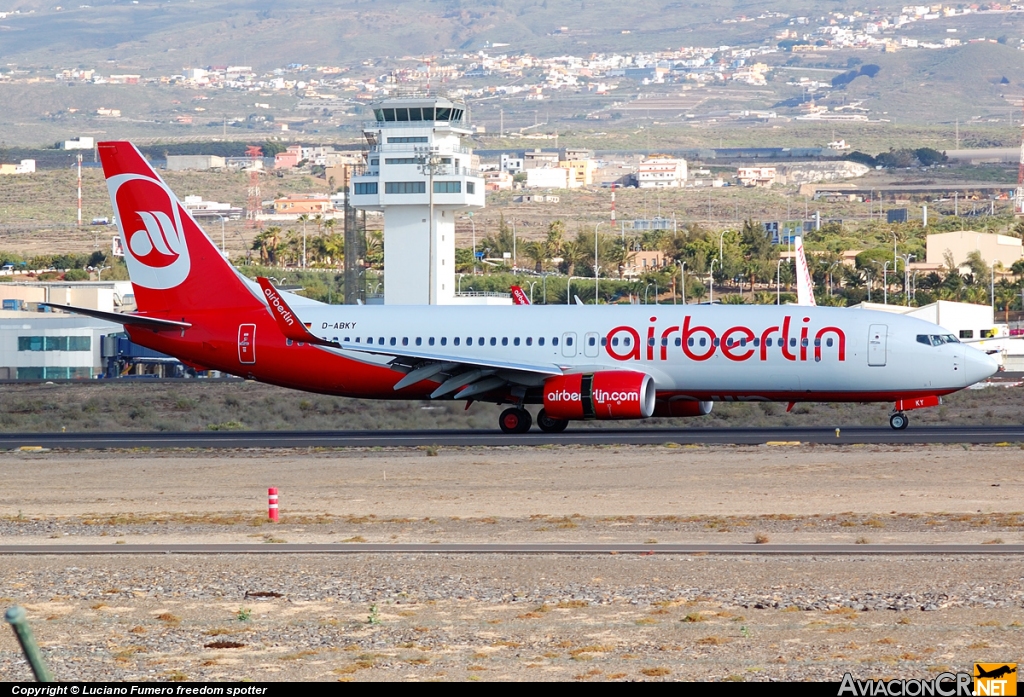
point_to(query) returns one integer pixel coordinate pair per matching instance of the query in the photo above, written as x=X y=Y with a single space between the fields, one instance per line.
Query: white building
x=419 y=175
x=80 y=143
x=34 y=346
x=659 y=171
x=513 y=164
x=547 y=178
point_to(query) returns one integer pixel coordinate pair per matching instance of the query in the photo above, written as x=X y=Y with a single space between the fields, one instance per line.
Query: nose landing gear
x=899 y=421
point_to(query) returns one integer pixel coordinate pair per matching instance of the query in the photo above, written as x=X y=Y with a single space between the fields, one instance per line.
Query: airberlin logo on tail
x=151 y=228
x=279 y=307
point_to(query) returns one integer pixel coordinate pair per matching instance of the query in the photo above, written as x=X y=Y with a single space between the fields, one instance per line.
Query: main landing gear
x=515 y=420
x=518 y=420
x=899 y=421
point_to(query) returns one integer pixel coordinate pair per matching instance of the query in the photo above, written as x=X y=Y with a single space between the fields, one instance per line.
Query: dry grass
x=656 y=672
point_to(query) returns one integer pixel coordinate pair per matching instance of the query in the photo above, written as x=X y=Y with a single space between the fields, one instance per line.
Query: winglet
x=519 y=296
x=804 y=286
x=287 y=321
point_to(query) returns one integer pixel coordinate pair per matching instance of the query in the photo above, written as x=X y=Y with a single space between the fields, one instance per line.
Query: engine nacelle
x=683 y=407
x=608 y=394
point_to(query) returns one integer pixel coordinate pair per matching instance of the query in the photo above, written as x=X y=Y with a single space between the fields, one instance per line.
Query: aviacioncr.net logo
x=151 y=228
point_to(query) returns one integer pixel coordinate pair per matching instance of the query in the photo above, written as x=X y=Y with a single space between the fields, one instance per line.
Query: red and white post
x=272 y=504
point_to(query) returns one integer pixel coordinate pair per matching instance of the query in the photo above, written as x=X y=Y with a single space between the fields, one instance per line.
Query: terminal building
x=418 y=174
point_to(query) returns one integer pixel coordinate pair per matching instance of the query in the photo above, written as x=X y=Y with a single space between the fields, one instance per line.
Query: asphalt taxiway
x=485 y=438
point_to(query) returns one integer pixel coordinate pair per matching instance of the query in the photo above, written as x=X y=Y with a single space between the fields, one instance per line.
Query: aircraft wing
x=460 y=377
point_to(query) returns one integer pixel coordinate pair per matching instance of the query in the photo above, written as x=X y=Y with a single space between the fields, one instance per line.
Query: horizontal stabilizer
x=129 y=320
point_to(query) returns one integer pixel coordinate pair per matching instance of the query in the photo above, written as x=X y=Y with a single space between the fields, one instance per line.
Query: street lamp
x=906 y=276
x=568 y=283
x=647 y=288
x=834 y=264
x=532 y=284
x=429 y=163
x=682 y=287
x=711 y=299
x=596 y=263
x=885 y=285
x=778 y=281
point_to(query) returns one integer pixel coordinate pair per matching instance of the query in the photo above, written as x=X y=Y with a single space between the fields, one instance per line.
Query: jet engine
x=607 y=394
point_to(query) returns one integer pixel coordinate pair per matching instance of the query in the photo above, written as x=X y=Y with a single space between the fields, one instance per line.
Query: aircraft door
x=569 y=344
x=876 y=344
x=591 y=344
x=247 y=344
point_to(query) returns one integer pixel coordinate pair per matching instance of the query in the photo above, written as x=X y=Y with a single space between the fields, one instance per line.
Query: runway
x=469 y=438
x=522 y=549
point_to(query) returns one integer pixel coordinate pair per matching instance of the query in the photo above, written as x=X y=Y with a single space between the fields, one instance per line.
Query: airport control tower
x=418 y=173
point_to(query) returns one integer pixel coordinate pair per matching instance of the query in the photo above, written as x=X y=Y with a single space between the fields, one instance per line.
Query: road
x=527 y=548
x=583 y=436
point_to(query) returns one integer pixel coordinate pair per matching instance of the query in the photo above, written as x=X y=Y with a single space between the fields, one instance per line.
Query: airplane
x=995 y=672
x=519 y=296
x=586 y=362
x=804 y=284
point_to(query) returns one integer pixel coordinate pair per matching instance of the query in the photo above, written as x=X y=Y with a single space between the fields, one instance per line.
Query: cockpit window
x=936 y=339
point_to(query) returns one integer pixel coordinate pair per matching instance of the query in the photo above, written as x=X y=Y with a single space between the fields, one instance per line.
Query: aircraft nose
x=978 y=365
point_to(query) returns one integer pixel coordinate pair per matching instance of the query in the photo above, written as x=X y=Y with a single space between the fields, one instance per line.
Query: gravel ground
x=451 y=617
x=508 y=617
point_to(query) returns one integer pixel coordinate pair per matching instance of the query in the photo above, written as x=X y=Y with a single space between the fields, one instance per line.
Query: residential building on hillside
x=659 y=171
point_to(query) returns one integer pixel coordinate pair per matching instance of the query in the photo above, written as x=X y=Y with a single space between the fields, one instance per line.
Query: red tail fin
x=172 y=263
x=519 y=296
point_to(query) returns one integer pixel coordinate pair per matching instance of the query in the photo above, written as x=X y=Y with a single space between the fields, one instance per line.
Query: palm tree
x=534 y=251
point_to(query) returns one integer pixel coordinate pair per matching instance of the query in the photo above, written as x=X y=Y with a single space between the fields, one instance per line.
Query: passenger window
x=757 y=342
x=716 y=341
x=444 y=341
x=828 y=342
x=515 y=342
x=792 y=342
x=591 y=341
x=803 y=342
x=405 y=341
x=626 y=341
x=554 y=341
x=494 y=342
x=568 y=341
x=703 y=341
x=287 y=342
x=679 y=341
x=380 y=341
x=650 y=341
x=768 y=343
x=604 y=341
x=817 y=342
x=393 y=341
x=540 y=341
x=430 y=341
x=504 y=341
x=529 y=341
x=456 y=342
x=615 y=341
x=689 y=342
x=419 y=341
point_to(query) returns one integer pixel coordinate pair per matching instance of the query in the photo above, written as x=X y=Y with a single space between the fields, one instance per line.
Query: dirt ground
x=508 y=617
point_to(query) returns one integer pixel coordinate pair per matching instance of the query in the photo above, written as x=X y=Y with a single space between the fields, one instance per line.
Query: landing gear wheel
x=899 y=421
x=515 y=420
x=550 y=425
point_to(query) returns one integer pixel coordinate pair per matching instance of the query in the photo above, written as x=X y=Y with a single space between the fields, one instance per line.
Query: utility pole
x=79 y=189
